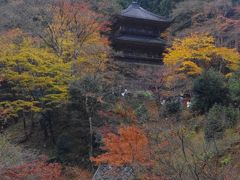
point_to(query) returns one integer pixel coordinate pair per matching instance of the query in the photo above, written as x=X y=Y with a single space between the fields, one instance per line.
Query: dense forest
x=69 y=110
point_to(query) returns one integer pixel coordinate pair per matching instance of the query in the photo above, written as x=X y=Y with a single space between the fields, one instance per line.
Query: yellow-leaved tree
x=35 y=73
x=34 y=78
x=74 y=34
x=192 y=54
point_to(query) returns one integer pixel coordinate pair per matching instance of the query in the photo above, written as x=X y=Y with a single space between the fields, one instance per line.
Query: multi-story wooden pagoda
x=137 y=35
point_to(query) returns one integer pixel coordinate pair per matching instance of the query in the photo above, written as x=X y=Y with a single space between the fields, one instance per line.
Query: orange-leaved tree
x=75 y=35
x=193 y=54
x=129 y=147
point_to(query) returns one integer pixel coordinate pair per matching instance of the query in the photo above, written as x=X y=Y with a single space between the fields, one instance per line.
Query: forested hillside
x=69 y=110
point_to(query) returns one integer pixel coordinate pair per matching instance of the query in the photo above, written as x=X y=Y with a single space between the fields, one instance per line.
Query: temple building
x=137 y=35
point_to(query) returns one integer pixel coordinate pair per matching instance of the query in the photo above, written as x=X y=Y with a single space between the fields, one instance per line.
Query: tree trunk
x=25 y=127
x=91 y=137
x=44 y=128
x=49 y=119
x=32 y=124
x=90 y=129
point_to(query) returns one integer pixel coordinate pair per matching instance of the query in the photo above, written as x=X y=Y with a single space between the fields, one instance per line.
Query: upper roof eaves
x=134 y=10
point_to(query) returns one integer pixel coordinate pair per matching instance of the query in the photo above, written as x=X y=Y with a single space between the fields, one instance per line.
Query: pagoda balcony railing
x=141 y=33
x=138 y=31
x=137 y=55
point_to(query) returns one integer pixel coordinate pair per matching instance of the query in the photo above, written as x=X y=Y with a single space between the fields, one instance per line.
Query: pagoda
x=137 y=35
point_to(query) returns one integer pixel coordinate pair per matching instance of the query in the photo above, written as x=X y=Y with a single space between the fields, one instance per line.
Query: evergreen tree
x=214 y=127
x=208 y=89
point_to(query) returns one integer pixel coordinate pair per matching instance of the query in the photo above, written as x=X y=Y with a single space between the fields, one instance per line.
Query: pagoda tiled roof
x=134 y=10
x=107 y=172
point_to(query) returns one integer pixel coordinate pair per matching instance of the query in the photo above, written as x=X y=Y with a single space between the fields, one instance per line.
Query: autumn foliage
x=126 y=148
x=36 y=71
x=75 y=34
x=195 y=53
x=39 y=169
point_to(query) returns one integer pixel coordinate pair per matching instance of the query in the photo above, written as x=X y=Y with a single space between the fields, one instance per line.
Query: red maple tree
x=127 y=148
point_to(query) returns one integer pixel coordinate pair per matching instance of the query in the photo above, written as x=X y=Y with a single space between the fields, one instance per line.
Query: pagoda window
x=138 y=31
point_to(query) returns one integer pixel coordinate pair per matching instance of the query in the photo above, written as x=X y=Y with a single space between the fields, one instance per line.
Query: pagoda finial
x=135 y=2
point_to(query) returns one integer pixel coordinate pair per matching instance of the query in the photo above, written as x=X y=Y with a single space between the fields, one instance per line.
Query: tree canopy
x=30 y=73
x=127 y=148
x=195 y=53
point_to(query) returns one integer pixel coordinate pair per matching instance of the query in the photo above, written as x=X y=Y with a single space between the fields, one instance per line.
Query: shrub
x=231 y=117
x=214 y=127
x=172 y=107
x=220 y=118
x=64 y=144
x=142 y=113
x=234 y=91
x=208 y=89
x=38 y=169
x=10 y=155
